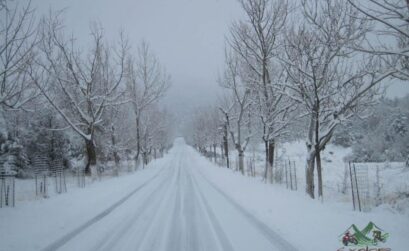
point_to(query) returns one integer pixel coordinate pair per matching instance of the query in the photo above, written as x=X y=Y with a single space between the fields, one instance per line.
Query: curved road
x=178 y=209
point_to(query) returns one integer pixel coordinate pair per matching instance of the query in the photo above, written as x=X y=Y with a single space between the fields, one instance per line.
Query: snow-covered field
x=393 y=177
x=185 y=202
x=310 y=224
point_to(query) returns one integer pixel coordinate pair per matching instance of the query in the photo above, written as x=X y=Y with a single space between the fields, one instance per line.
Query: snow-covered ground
x=308 y=224
x=25 y=188
x=185 y=202
x=168 y=206
x=33 y=224
x=393 y=177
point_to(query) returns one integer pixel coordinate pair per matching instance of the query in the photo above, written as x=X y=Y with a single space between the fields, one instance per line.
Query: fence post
x=286 y=174
x=65 y=183
x=291 y=175
x=14 y=192
x=1 y=192
x=295 y=176
x=352 y=185
x=357 y=189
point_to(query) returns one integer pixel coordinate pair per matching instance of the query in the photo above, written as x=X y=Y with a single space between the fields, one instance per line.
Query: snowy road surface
x=184 y=202
x=178 y=209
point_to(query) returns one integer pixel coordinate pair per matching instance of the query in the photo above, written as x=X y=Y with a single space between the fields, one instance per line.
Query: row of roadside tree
x=303 y=70
x=96 y=101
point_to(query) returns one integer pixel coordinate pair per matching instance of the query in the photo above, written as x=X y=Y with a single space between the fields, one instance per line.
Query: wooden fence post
x=352 y=185
x=357 y=189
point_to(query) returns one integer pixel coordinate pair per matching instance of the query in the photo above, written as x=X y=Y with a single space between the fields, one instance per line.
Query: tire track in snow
x=220 y=234
x=203 y=229
x=190 y=210
x=67 y=237
x=175 y=234
x=154 y=236
x=147 y=203
x=272 y=236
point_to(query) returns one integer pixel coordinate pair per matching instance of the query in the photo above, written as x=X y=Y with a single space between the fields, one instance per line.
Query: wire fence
x=45 y=177
x=7 y=180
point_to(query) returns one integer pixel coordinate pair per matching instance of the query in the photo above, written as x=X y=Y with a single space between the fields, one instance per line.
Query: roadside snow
x=393 y=176
x=309 y=224
x=34 y=224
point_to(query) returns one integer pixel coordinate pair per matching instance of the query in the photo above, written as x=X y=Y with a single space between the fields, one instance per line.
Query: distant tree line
x=383 y=135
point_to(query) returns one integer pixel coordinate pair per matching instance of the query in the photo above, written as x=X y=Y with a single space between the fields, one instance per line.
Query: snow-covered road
x=178 y=209
x=185 y=202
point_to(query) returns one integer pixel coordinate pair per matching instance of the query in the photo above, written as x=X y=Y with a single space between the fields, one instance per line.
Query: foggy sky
x=188 y=36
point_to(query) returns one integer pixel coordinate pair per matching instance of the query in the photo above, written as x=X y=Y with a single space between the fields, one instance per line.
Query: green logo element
x=371 y=235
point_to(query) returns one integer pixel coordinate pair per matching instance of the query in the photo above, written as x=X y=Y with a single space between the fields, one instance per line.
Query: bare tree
x=330 y=81
x=213 y=128
x=390 y=19
x=162 y=131
x=234 y=81
x=256 y=39
x=80 y=85
x=225 y=124
x=197 y=131
x=115 y=136
x=147 y=82
x=155 y=131
x=18 y=37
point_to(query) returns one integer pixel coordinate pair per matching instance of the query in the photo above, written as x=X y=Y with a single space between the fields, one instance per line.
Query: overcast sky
x=188 y=36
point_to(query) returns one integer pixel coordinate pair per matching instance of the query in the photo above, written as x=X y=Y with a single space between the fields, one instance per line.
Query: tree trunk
x=226 y=146
x=309 y=171
x=115 y=153
x=138 y=141
x=310 y=176
x=266 y=156
x=91 y=166
x=214 y=153
x=407 y=161
x=271 y=149
x=145 y=159
x=241 y=161
x=318 y=151
x=319 y=172
x=116 y=159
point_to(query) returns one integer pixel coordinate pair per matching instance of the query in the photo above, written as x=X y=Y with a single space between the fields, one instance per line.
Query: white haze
x=187 y=36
